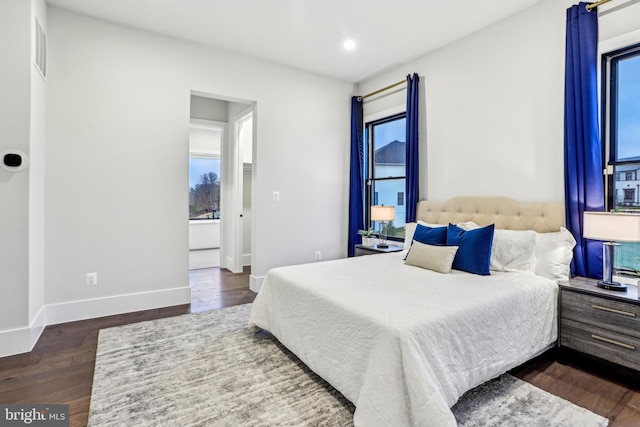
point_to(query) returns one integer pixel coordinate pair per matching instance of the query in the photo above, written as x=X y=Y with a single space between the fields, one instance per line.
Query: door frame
x=231 y=254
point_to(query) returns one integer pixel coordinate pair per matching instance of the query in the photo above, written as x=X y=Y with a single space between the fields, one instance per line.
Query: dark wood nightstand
x=600 y=323
x=371 y=250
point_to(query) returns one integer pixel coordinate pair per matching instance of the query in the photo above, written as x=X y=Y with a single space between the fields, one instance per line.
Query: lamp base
x=382 y=245
x=612 y=286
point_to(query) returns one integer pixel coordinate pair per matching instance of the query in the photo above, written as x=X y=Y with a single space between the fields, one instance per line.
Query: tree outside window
x=204 y=188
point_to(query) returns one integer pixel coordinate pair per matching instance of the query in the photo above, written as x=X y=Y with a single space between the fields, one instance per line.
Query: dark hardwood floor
x=613 y=394
x=60 y=367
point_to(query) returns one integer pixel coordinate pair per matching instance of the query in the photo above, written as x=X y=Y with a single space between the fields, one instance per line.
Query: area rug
x=208 y=369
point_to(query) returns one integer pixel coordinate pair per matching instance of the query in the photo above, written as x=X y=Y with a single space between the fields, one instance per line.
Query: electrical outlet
x=276 y=196
x=318 y=255
x=91 y=279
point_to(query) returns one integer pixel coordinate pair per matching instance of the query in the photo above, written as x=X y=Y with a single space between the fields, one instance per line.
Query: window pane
x=627 y=187
x=627 y=255
x=627 y=199
x=389 y=149
x=387 y=194
x=204 y=188
x=628 y=109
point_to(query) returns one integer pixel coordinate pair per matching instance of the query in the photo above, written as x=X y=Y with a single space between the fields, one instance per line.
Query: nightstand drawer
x=602 y=343
x=616 y=316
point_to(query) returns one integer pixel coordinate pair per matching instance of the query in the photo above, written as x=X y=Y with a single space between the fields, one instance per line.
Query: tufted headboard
x=505 y=213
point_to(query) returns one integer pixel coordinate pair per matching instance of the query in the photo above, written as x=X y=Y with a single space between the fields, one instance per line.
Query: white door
x=233 y=236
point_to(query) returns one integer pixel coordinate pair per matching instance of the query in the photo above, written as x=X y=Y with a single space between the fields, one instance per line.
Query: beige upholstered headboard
x=505 y=213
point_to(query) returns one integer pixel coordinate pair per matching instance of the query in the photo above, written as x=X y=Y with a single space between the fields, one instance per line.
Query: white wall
x=15 y=49
x=37 y=178
x=208 y=108
x=617 y=19
x=494 y=109
x=117 y=150
x=22 y=126
x=203 y=140
x=204 y=234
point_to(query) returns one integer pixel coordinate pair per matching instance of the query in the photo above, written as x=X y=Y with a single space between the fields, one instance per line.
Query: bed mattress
x=404 y=343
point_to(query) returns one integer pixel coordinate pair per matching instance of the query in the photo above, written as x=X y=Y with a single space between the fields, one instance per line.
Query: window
x=385 y=142
x=621 y=139
x=204 y=188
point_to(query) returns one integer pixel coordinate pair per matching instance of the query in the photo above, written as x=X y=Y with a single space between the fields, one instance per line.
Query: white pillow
x=468 y=225
x=513 y=250
x=409 y=231
x=554 y=252
x=436 y=258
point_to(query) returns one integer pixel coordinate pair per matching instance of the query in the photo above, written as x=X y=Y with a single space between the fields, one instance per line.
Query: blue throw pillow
x=431 y=235
x=474 y=248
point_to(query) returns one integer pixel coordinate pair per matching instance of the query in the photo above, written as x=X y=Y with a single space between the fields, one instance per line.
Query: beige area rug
x=208 y=369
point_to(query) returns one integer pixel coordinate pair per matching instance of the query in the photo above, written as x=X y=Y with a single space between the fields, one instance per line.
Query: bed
x=403 y=343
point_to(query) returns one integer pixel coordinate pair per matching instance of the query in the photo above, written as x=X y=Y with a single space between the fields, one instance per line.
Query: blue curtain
x=411 y=199
x=356 y=182
x=582 y=151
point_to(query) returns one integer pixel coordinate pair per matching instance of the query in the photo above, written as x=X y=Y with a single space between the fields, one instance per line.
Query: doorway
x=224 y=224
x=205 y=148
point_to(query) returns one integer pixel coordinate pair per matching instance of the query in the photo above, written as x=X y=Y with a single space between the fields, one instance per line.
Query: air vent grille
x=40 y=59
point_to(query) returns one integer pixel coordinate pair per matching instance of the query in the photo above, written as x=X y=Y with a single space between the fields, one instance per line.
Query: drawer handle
x=613 y=310
x=618 y=343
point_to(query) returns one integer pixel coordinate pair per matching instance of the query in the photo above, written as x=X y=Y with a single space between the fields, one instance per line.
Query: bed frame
x=504 y=212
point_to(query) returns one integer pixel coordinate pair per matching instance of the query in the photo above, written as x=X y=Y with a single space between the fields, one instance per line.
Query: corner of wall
x=255 y=283
x=22 y=340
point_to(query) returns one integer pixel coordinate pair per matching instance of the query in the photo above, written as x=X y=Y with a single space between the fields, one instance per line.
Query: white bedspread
x=403 y=343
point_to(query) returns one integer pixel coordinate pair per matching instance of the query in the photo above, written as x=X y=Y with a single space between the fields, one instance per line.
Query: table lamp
x=383 y=214
x=611 y=228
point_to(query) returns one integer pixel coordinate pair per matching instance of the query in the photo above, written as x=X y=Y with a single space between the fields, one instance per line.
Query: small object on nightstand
x=383 y=213
x=612 y=228
x=371 y=250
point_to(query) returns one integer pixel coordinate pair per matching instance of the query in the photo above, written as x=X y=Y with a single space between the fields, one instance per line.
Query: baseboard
x=107 y=306
x=246 y=259
x=22 y=340
x=255 y=283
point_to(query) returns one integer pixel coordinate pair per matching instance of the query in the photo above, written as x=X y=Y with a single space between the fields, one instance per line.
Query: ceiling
x=309 y=34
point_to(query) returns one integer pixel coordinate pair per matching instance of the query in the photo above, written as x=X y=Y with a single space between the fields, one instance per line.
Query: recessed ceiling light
x=349 y=44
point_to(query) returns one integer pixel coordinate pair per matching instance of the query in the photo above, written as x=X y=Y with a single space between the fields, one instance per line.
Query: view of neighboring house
x=389 y=161
x=627 y=186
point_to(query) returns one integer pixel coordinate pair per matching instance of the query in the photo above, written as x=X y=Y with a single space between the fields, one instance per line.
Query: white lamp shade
x=383 y=213
x=612 y=227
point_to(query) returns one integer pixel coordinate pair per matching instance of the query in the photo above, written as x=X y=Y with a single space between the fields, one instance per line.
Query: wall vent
x=40 y=60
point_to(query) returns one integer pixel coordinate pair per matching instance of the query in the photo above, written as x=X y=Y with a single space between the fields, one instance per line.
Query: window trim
x=616 y=48
x=369 y=196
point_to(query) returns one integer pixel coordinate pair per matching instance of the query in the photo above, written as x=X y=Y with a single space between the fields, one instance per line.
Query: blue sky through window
x=390 y=131
x=628 y=125
x=200 y=166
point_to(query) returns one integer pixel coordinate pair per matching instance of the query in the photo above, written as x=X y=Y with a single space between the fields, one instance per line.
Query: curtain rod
x=383 y=89
x=596 y=4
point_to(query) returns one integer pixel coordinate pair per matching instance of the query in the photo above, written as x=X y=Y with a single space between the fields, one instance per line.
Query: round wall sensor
x=14 y=160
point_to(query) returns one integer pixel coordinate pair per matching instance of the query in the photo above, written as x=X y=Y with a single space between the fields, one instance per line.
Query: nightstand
x=600 y=323
x=371 y=250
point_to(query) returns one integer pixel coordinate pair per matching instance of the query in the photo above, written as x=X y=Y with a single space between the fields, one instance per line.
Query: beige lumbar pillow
x=436 y=258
